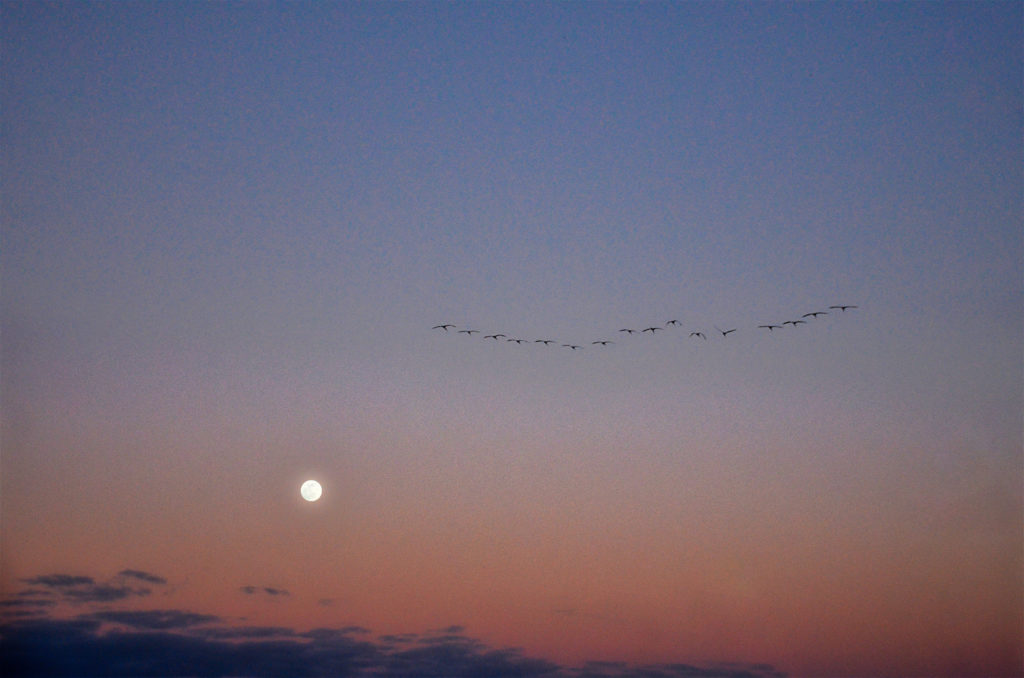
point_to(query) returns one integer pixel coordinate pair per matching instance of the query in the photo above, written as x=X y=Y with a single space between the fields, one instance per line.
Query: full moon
x=310 y=490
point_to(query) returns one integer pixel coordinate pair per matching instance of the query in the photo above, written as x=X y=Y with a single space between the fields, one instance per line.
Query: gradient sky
x=228 y=229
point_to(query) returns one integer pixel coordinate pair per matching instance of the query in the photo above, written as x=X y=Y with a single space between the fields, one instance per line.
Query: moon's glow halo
x=311 y=490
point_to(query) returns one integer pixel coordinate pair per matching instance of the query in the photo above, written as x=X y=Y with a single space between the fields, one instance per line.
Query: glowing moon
x=311 y=490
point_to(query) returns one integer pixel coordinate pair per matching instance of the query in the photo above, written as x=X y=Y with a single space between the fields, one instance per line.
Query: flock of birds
x=653 y=329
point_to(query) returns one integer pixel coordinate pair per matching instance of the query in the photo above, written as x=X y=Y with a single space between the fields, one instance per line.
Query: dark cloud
x=247 y=632
x=79 y=648
x=450 y=635
x=269 y=590
x=79 y=589
x=463 y=657
x=323 y=635
x=9 y=615
x=153 y=619
x=354 y=629
x=399 y=638
x=27 y=602
x=597 y=669
x=102 y=593
x=60 y=580
x=168 y=643
x=143 y=576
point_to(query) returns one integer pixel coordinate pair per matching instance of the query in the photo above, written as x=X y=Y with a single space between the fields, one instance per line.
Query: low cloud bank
x=170 y=643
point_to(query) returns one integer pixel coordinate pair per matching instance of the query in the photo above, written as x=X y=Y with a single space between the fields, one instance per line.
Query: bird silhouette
x=771 y=327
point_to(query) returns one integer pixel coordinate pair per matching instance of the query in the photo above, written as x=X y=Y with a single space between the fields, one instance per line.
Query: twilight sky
x=228 y=229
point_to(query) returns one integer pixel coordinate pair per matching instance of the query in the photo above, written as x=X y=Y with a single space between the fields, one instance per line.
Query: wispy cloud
x=27 y=602
x=142 y=576
x=103 y=593
x=60 y=581
x=153 y=619
x=80 y=589
x=268 y=590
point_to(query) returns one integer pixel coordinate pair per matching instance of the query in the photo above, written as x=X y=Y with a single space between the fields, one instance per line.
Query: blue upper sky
x=295 y=176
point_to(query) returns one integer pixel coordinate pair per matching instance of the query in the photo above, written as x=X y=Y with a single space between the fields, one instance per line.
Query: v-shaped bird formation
x=670 y=326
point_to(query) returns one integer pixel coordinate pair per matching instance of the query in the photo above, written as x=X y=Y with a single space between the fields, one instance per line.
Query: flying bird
x=494 y=336
x=518 y=341
x=469 y=332
x=843 y=307
x=725 y=333
x=794 y=323
x=672 y=322
x=628 y=331
x=698 y=334
x=572 y=346
x=603 y=343
x=771 y=327
x=546 y=342
x=652 y=330
x=441 y=327
x=815 y=314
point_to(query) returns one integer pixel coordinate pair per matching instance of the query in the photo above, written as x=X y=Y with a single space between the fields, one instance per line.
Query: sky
x=229 y=231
